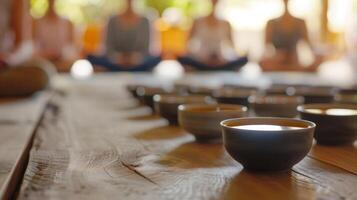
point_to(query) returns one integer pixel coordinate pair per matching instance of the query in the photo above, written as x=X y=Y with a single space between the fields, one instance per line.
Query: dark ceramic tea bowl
x=275 y=105
x=336 y=123
x=132 y=89
x=199 y=90
x=146 y=94
x=203 y=121
x=346 y=96
x=167 y=105
x=233 y=96
x=277 y=89
x=316 y=94
x=267 y=144
x=239 y=87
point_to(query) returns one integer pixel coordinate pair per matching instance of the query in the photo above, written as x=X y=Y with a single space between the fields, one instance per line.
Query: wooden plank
x=333 y=180
x=94 y=145
x=18 y=120
x=340 y=156
x=68 y=165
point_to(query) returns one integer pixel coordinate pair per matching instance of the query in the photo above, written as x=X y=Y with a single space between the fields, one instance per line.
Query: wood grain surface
x=18 y=120
x=344 y=157
x=97 y=143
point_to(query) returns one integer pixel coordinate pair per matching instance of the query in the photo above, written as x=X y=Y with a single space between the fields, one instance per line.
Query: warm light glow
x=302 y=8
x=169 y=69
x=334 y=111
x=341 y=112
x=172 y=16
x=314 y=111
x=264 y=127
x=82 y=69
x=253 y=15
x=344 y=75
x=339 y=14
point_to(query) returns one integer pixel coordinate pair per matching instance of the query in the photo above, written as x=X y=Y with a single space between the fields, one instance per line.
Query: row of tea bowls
x=272 y=138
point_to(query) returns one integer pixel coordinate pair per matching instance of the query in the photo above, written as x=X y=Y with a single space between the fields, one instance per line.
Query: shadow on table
x=196 y=155
x=249 y=185
x=161 y=133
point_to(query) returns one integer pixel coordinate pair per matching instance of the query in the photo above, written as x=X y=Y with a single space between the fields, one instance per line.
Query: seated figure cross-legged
x=20 y=75
x=53 y=36
x=211 y=46
x=127 y=43
x=284 y=34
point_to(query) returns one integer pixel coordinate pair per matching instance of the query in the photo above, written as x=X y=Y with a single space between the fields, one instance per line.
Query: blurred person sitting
x=127 y=43
x=211 y=46
x=284 y=34
x=19 y=74
x=53 y=37
x=351 y=44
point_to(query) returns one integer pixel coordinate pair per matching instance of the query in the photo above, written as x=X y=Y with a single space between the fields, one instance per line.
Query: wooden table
x=95 y=142
x=19 y=119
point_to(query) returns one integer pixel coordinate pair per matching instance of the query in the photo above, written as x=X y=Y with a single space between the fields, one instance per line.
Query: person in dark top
x=284 y=34
x=211 y=47
x=127 y=43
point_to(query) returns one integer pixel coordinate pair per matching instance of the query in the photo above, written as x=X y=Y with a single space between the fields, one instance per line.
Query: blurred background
x=326 y=19
x=330 y=23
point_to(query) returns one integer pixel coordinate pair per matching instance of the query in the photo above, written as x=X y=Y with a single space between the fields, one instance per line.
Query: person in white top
x=19 y=74
x=211 y=46
x=351 y=43
x=53 y=36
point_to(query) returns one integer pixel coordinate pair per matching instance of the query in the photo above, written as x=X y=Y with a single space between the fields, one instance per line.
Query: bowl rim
x=290 y=99
x=232 y=108
x=233 y=93
x=143 y=91
x=197 y=89
x=313 y=92
x=164 y=98
x=240 y=86
x=310 y=125
x=302 y=108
